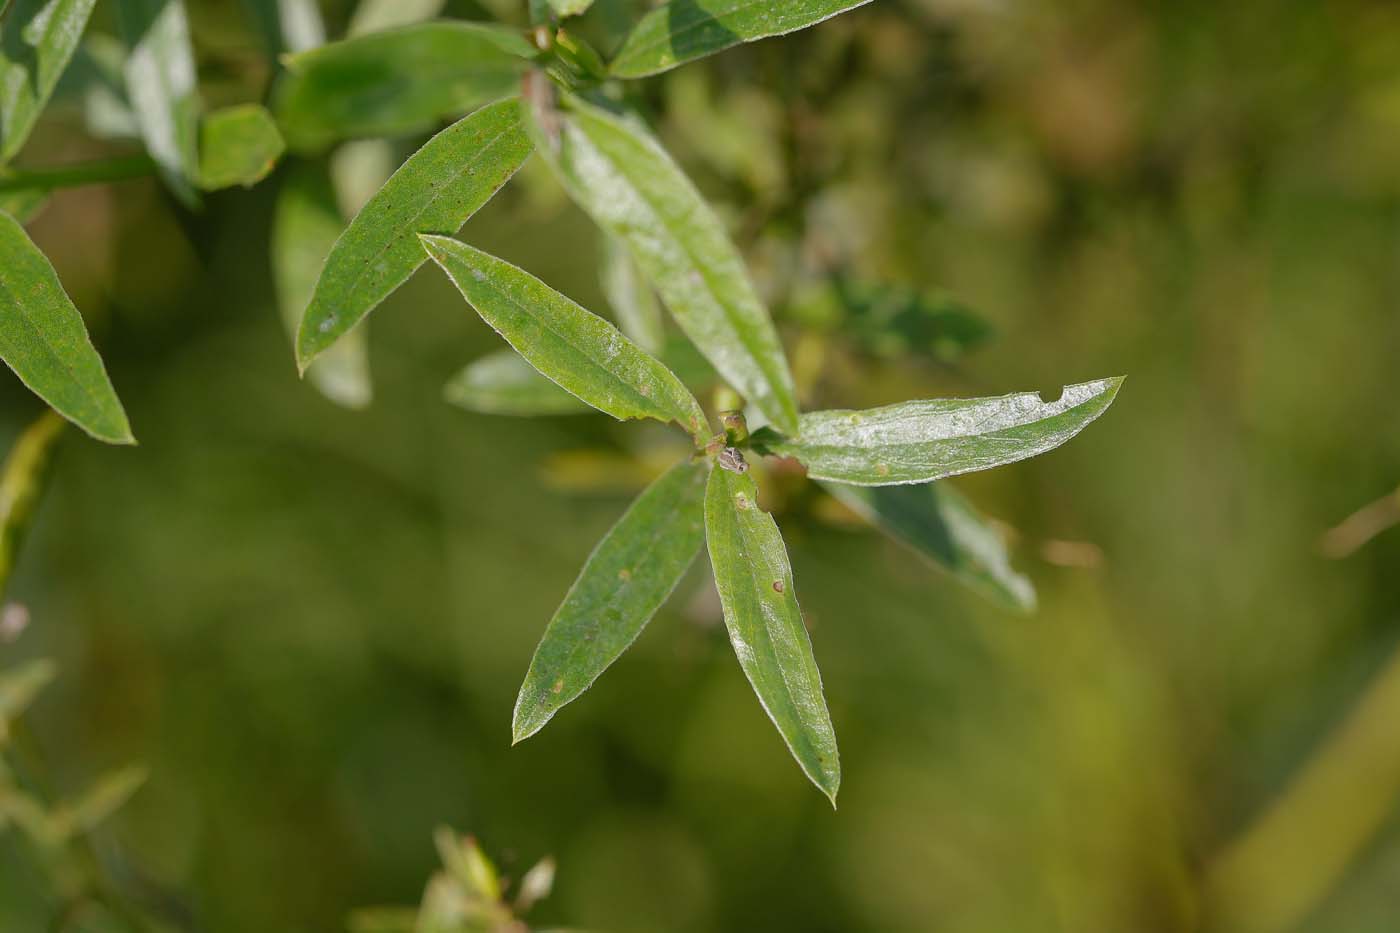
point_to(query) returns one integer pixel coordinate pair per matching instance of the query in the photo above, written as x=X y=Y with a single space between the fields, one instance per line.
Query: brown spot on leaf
x=558 y=686
x=624 y=574
x=778 y=586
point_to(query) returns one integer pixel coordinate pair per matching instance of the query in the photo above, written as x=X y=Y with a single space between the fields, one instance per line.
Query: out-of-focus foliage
x=1200 y=194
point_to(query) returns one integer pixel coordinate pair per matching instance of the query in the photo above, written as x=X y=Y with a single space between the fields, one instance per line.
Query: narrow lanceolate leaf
x=580 y=351
x=629 y=575
x=939 y=523
x=682 y=30
x=37 y=40
x=237 y=146
x=621 y=176
x=22 y=482
x=633 y=302
x=396 y=82
x=43 y=339
x=502 y=383
x=435 y=191
x=160 y=81
x=765 y=625
x=917 y=442
x=305 y=226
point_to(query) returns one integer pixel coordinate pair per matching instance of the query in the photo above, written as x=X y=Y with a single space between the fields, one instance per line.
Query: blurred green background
x=310 y=624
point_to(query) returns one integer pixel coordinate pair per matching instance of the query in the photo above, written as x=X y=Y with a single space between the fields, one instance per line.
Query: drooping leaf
x=683 y=30
x=43 y=339
x=622 y=177
x=161 y=85
x=765 y=624
x=288 y=25
x=918 y=442
x=396 y=82
x=629 y=575
x=305 y=226
x=938 y=522
x=502 y=383
x=379 y=15
x=580 y=351
x=37 y=40
x=633 y=302
x=237 y=146
x=435 y=191
x=22 y=481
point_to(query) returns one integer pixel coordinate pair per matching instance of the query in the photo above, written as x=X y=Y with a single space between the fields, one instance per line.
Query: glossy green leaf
x=580 y=351
x=162 y=88
x=396 y=82
x=627 y=578
x=917 y=442
x=633 y=302
x=621 y=176
x=435 y=191
x=502 y=383
x=22 y=481
x=765 y=624
x=305 y=225
x=237 y=146
x=379 y=15
x=37 y=40
x=682 y=30
x=43 y=339
x=938 y=522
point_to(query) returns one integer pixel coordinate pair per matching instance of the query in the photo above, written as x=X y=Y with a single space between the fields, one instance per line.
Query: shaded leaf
x=43 y=339
x=37 y=41
x=541 y=9
x=22 y=483
x=435 y=191
x=23 y=204
x=629 y=575
x=305 y=225
x=288 y=25
x=162 y=89
x=99 y=802
x=683 y=30
x=938 y=522
x=572 y=346
x=622 y=177
x=633 y=302
x=917 y=442
x=237 y=146
x=19 y=686
x=893 y=321
x=765 y=624
x=379 y=15
x=96 y=83
x=396 y=82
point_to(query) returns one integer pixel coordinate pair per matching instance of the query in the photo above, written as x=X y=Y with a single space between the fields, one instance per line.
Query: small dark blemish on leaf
x=558 y=686
x=778 y=586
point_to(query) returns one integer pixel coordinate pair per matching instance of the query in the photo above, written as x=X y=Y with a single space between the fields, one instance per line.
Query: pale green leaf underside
x=765 y=624
x=43 y=339
x=502 y=383
x=396 y=82
x=630 y=295
x=584 y=354
x=622 y=177
x=627 y=578
x=378 y=15
x=683 y=30
x=560 y=8
x=37 y=40
x=435 y=191
x=918 y=442
x=238 y=145
x=938 y=522
x=162 y=89
x=305 y=225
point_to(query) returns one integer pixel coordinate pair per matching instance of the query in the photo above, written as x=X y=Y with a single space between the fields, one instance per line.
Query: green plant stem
x=78 y=174
x=1284 y=863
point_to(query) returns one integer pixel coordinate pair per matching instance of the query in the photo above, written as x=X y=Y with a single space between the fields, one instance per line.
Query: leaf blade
x=502 y=383
x=621 y=176
x=36 y=45
x=578 y=350
x=238 y=145
x=396 y=82
x=680 y=31
x=940 y=524
x=435 y=191
x=923 y=441
x=163 y=91
x=630 y=296
x=43 y=339
x=627 y=578
x=765 y=625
